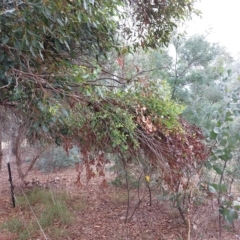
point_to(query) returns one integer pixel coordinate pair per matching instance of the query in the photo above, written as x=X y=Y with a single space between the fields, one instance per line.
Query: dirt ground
x=105 y=211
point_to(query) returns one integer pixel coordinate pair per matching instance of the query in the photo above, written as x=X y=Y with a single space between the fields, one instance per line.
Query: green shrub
x=58 y=158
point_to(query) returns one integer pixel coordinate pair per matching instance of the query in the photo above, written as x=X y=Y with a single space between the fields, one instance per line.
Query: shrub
x=58 y=158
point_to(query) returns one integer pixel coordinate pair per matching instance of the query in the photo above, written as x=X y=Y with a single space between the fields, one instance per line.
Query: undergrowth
x=56 y=158
x=51 y=210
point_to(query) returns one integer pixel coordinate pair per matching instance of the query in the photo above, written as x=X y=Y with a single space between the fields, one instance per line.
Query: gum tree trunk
x=1 y=148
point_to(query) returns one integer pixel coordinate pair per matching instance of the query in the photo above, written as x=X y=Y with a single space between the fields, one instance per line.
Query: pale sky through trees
x=222 y=19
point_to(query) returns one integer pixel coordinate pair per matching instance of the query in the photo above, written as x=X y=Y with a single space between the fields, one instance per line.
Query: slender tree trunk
x=1 y=138
x=1 y=148
x=219 y=201
x=14 y=140
x=230 y=187
x=16 y=150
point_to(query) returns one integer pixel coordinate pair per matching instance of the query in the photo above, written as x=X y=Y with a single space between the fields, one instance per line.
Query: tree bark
x=1 y=148
x=1 y=154
x=17 y=146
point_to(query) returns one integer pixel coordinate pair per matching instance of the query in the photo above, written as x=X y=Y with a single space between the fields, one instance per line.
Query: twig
x=136 y=207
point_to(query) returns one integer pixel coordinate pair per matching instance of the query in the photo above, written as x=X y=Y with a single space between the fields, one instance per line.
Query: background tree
x=204 y=78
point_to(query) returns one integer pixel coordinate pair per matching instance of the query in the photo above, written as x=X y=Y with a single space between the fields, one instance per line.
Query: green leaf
x=40 y=53
x=216 y=130
x=5 y=39
x=226 y=156
x=41 y=106
x=217 y=169
x=17 y=30
x=219 y=187
x=32 y=51
x=229 y=214
x=34 y=43
x=223 y=142
x=213 y=135
x=58 y=45
x=17 y=45
x=85 y=5
x=65 y=112
x=45 y=128
x=208 y=165
x=67 y=45
x=79 y=16
x=1 y=57
x=40 y=44
x=60 y=22
x=211 y=189
x=229 y=116
x=32 y=33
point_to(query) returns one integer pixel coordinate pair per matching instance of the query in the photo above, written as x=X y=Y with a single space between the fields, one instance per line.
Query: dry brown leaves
x=105 y=210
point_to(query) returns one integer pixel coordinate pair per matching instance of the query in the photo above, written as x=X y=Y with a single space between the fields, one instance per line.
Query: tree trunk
x=1 y=148
x=1 y=152
x=17 y=152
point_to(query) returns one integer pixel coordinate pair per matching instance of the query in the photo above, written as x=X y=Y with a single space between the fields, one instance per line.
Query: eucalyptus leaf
x=217 y=169
x=212 y=189
x=216 y=130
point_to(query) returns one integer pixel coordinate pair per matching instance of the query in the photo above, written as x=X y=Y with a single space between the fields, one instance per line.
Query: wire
x=24 y=221
x=34 y=215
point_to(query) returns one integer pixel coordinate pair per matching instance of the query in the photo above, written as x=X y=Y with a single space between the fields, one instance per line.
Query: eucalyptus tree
x=55 y=81
x=195 y=70
x=50 y=49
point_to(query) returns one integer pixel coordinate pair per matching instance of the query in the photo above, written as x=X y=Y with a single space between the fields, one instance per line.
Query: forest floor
x=98 y=211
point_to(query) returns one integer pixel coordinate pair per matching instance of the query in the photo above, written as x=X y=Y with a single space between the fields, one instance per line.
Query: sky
x=221 y=19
